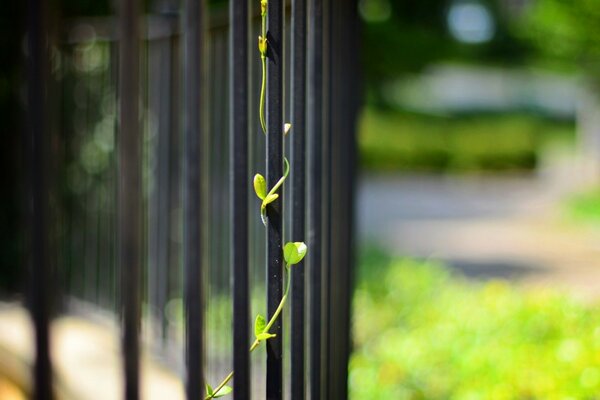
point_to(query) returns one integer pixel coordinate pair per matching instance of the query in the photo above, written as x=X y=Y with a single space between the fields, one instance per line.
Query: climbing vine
x=293 y=252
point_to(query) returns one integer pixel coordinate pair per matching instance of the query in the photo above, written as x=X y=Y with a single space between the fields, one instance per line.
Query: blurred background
x=478 y=201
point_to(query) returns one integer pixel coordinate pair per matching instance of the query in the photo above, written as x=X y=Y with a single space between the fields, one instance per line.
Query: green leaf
x=294 y=252
x=265 y=336
x=286 y=128
x=260 y=186
x=209 y=390
x=259 y=325
x=270 y=198
x=224 y=391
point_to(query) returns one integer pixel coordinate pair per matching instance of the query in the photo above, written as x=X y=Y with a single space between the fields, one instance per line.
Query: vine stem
x=261 y=112
x=267 y=327
x=221 y=385
x=263 y=58
x=263 y=206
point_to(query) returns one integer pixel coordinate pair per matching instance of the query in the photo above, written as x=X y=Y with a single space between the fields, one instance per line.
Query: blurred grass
x=422 y=333
x=584 y=207
x=398 y=140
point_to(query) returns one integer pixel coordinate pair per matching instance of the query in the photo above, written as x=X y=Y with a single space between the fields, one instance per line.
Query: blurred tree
x=566 y=32
x=401 y=37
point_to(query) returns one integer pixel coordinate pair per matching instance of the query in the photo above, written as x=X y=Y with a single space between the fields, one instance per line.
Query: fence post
x=194 y=109
x=40 y=284
x=315 y=197
x=274 y=161
x=239 y=130
x=344 y=88
x=130 y=191
x=298 y=180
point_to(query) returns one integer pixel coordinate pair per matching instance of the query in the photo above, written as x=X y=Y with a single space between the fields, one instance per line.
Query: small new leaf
x=260 y=186
x=209 y=391
x=265 y=336
x=270 y=198
x=224 y=391
x=259 y=325
x=262 y=45
x=294 y=252
x=286 y=128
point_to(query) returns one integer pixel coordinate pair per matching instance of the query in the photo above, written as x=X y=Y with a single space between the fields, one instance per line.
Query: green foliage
x=225 y=390
x=422 y=333
x=402 y=141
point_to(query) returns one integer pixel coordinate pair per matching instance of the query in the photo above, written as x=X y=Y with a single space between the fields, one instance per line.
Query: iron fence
x=143 y=139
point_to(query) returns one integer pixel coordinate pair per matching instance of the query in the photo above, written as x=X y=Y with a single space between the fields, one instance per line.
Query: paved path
x=485 y=227
x=86 y=359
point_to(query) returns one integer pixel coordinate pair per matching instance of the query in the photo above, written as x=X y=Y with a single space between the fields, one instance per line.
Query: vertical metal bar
x=175 y=159
x=239 y=130
x=130 y=189
x=194 y=27
x=114 y=186
x=274 y=210
x=315 y=195
x=343 y=114
x=40 y=289
x=328 y=183
x=351 y=107
x=298 y=177
x=159 y=224
x=334 y=189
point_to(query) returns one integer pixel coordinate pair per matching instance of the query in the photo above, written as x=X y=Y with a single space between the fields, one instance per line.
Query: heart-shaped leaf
x=224 y=391
x=259 y=325
x=294 y=252
x=265 y=336
x=260 y=186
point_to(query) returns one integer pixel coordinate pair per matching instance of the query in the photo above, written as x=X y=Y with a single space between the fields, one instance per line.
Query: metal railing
x=176 y=208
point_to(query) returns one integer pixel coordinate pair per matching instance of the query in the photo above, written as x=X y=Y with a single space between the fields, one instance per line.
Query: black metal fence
x=143 y=139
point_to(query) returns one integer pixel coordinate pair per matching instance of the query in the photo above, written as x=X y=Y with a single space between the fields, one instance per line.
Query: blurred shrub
x=391 y=140
x=422 y=333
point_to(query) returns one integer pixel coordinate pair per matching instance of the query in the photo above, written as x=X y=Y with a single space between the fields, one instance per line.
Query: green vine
x=293 y=252
x=262 y=49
